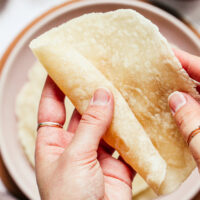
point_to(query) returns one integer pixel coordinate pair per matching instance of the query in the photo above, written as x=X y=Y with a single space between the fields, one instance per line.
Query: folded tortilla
x=125 y=52
x=27 y=103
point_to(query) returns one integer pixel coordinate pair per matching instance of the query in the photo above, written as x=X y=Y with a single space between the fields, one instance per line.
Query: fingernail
x=101 y=97
x=176 y=101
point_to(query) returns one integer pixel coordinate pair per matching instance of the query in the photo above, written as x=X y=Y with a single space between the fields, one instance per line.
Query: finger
x=94 y=122
x=186 y=112
x=132 y=171
x=74 y=121
x=190 y=63
x=51 y=141
x=51 y=108
x=115 y=168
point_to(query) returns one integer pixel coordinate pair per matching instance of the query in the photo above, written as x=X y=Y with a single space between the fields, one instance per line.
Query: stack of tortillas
x=124 y=52
x=27 y=105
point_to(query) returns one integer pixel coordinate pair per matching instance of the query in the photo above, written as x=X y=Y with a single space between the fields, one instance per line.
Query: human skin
x=185 y=109
x=76 y=164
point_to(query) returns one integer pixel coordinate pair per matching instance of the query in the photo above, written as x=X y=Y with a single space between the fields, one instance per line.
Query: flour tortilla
x=27 y=105
x=147 y=194
x=125 y=52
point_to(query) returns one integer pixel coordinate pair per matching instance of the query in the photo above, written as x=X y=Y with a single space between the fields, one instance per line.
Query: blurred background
x=16 y=14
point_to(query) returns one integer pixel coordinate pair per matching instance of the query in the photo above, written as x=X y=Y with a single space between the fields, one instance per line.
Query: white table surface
x=16 y=14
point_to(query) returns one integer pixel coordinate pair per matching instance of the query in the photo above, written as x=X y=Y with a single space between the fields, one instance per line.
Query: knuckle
x=76 y=155
x=71 y=154
x=94 y=116
x=185 y=120
x=182 y=118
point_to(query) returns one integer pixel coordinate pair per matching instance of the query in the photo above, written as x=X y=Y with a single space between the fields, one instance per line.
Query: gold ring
x=50 y=124
x=193 y=134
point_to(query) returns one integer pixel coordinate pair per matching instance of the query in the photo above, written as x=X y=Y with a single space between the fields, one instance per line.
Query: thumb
x=186 y=111
x=94 y=122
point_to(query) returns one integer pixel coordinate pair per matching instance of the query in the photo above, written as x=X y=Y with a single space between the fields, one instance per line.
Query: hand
x=76 y=164
x=185 y=109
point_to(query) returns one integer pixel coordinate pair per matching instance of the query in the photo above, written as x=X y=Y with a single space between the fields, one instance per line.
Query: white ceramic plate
x=18 y=59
